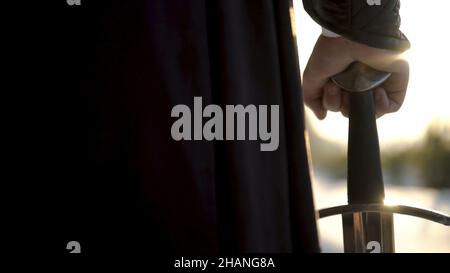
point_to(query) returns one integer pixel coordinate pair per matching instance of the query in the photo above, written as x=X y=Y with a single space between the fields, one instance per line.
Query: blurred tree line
x=430 y=158
x=426 y=163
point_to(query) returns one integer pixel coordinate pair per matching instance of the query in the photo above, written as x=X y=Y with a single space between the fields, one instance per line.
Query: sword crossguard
x=426 y=214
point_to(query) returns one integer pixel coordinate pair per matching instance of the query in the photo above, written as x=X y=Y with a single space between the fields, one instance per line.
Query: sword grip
x=365 y=180
x=364 y=175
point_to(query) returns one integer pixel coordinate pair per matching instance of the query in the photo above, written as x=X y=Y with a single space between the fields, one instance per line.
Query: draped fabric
x=117 y=70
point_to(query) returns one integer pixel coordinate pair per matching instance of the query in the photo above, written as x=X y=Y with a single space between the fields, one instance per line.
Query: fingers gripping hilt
x=366 y=220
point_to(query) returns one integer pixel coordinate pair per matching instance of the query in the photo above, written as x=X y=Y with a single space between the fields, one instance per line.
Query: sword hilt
x=362 y=230
x=367 y=223
x=364 y=175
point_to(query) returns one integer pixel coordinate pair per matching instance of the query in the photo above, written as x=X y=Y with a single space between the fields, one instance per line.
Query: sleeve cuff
x=328 y=33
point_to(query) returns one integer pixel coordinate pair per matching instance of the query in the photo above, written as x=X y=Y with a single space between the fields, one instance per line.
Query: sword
x=368 y=225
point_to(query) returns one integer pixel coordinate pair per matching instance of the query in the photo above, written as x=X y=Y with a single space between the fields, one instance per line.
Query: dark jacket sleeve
x=373 y=25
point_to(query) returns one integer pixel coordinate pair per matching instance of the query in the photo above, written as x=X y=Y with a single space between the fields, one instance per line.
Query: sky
x=425 y=23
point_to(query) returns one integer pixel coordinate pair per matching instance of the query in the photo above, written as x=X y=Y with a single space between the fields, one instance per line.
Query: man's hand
x=331 y=56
